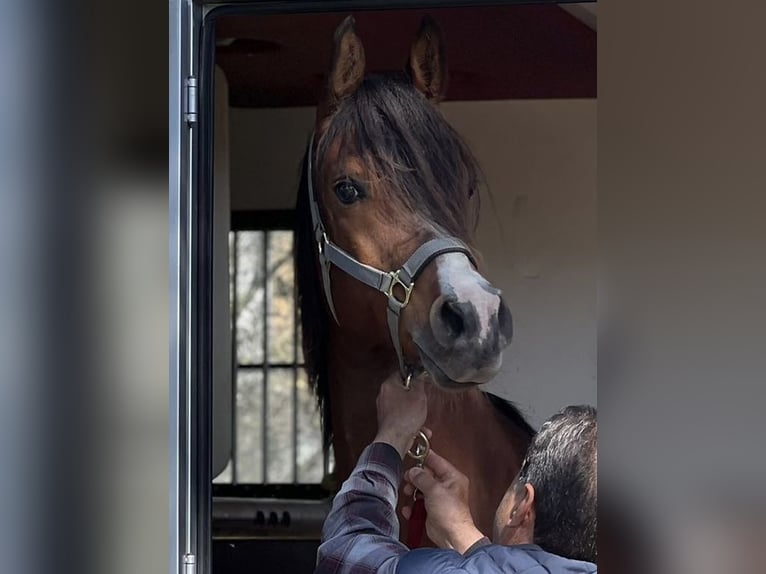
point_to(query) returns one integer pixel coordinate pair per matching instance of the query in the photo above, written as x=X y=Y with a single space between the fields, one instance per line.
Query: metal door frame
x=191 y=106
x=188 y=420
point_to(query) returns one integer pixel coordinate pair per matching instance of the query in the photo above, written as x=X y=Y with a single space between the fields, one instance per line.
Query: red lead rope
x=417 y=524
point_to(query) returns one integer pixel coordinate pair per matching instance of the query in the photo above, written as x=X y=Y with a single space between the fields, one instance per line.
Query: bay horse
x=385 y=178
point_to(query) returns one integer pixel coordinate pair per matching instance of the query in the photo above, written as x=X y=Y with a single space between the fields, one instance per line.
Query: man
x=551 y=504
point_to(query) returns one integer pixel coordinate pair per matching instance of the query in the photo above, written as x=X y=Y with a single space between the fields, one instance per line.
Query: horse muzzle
x=469 y=326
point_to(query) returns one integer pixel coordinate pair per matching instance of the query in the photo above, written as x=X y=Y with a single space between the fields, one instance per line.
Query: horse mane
x=315 y=332
x=408 y=143
x=512 y=413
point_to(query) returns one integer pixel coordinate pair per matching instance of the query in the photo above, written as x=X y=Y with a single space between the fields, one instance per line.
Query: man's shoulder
x=526 y=559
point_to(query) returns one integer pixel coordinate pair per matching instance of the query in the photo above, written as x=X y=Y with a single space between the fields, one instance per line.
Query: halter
x=387 y=282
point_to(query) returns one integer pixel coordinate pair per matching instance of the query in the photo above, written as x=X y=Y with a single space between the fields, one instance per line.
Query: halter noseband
x=403 y=279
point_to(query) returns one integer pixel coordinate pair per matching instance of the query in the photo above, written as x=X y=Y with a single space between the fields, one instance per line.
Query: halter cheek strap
x=396 y=285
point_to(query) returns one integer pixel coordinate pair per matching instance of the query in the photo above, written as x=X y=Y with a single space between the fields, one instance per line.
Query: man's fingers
x=408 y=489
x=422 y=478
x=395 y=384
x=394 y=378
x=418 y=385
x=407 y=512
x=440 y=466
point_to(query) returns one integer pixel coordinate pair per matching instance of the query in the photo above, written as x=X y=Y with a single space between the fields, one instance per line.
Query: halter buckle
x=420 y=448
x=396 y=281
x=321 y=238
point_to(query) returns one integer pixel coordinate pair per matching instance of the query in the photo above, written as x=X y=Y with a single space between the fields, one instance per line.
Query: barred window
x=276 y=433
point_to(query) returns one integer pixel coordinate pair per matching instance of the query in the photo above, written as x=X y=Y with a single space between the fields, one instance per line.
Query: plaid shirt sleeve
x=361 y=532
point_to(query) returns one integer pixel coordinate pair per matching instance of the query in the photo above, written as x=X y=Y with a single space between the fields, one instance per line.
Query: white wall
x=537 y=232
x=538 y=235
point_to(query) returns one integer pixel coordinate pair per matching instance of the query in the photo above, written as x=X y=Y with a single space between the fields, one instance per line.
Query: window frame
x=266 y=221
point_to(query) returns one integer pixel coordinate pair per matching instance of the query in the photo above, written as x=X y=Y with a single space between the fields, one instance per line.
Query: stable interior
x=522 y=91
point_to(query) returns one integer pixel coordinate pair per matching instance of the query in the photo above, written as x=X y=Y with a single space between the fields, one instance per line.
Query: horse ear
x=428 y=61
x=347 y=63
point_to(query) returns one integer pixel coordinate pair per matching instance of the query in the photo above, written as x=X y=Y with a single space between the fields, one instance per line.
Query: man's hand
x=401 y=412
x=449 y=523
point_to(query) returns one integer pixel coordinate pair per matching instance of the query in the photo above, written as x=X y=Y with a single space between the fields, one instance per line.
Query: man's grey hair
x=561 y=466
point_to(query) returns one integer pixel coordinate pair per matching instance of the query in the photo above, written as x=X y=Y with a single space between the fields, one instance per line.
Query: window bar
x=295 y=376
x=259 y=366
x=234 y=372
x=265 y=401
x=326 y=458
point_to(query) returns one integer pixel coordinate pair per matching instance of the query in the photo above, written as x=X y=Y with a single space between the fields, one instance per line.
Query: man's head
x=552 y=501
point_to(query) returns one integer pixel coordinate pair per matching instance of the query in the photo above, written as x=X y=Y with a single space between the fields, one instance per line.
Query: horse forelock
x=408 y=146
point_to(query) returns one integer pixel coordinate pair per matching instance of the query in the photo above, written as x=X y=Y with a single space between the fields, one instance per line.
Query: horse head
x=389 y=174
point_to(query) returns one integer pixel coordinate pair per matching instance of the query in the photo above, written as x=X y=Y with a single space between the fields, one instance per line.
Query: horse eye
x=347 y=192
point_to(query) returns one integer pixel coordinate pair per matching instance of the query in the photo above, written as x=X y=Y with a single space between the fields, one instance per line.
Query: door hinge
x=190 y=564
x=190 y=100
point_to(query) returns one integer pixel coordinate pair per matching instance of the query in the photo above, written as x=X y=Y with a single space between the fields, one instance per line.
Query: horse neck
x=467 y=430
x=481 y=442
x=355 y=377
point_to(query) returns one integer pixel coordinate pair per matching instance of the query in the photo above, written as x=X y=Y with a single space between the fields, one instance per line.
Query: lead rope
x=417 y=524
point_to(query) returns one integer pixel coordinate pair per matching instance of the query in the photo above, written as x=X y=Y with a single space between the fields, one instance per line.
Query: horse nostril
x=505 y=321
x=452 y=317
x=453 y=321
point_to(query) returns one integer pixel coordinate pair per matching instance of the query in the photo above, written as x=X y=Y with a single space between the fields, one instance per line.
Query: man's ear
x=347 y=68
x=428 y=61
x=523 y=513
